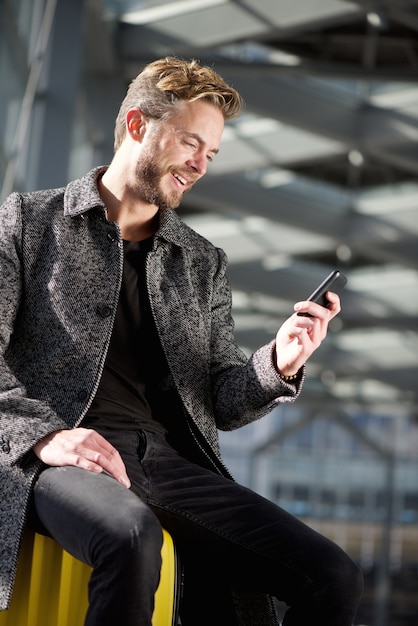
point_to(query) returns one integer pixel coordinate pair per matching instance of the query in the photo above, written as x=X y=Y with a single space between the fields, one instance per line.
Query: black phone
x=334 y=282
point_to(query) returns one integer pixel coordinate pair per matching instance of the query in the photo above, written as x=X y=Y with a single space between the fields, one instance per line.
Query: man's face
x=175 y=154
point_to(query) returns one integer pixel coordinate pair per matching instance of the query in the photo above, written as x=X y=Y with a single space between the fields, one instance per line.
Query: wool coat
x=60 y=275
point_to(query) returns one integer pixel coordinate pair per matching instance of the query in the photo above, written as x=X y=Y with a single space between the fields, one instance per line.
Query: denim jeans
x=229 y=538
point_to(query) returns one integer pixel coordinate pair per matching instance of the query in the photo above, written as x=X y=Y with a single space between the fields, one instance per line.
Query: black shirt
x=128 y=395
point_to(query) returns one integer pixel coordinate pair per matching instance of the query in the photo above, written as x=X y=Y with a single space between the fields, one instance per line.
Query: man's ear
x=135 y=124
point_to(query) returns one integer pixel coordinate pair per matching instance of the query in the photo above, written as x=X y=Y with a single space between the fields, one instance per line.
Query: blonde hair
x=164 y=83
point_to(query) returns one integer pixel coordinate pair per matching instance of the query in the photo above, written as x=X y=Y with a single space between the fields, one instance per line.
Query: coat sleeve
x=23 y=420
x=243 y=389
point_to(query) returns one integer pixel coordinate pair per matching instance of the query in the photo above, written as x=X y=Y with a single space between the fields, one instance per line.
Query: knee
x=144 y=533
x=355 y=579
x=347 y=578
x=133 y=531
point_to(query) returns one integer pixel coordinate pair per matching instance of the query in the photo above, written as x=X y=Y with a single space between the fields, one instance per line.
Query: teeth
x=181 y=179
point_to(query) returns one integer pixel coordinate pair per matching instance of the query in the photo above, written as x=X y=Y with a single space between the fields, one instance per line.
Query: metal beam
x=347 y=121
x=53 y=111
x=308 y=208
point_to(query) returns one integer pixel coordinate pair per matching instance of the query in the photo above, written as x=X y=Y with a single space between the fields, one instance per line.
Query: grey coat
x=60 y=276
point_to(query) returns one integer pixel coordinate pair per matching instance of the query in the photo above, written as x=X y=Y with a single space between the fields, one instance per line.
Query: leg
x=230 y=535
x=108 y=527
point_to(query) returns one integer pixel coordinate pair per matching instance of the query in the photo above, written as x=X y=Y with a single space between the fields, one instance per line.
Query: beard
x=148 y=175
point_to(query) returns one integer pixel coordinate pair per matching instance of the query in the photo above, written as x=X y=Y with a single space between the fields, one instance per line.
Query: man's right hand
x=83 y=448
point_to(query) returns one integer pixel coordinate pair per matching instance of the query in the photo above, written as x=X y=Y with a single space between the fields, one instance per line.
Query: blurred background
x=321 y=171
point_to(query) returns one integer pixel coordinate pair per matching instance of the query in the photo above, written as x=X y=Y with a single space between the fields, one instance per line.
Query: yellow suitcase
x=51 y=586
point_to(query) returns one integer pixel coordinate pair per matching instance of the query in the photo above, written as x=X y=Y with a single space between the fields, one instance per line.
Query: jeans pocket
x=142 y=444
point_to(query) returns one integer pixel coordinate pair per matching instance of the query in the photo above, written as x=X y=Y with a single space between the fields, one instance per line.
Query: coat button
x=5 y=446
x=104 y=311
x=82 y=395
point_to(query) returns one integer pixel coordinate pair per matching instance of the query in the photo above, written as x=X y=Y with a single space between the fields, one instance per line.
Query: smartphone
x=334 y=282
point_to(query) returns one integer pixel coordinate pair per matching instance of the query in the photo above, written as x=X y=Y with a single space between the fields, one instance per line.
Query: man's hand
x=83 y=448
x=299 y=336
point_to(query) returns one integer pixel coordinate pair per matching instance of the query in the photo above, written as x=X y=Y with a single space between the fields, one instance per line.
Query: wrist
x=290 y=378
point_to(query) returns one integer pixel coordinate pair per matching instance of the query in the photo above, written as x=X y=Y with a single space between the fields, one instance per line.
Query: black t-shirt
x=129 y=394
x=136 y=390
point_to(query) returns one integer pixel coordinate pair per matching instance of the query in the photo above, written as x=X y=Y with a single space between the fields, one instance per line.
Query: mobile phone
x=334 y=282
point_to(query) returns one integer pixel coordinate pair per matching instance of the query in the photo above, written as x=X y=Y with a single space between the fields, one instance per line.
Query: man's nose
x=199 y=163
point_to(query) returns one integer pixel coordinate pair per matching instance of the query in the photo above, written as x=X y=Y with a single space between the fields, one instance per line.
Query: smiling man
x=118 y=365
x=160 y=162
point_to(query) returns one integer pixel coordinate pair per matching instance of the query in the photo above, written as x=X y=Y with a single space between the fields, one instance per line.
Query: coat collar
x=82 y=195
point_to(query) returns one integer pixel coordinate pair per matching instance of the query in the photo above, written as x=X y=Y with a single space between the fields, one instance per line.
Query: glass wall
x=53 y=121
x=17 y=31
x=353 y=477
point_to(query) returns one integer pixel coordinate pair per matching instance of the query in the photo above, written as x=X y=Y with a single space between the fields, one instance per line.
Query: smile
x=183 y=181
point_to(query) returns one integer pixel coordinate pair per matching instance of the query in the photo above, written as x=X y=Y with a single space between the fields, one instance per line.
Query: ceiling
x=321 y=171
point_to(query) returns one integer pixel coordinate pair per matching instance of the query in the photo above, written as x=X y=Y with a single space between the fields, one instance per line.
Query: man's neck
x=137 y=221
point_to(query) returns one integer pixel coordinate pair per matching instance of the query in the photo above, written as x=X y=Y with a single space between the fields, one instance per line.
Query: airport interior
x=319 y=172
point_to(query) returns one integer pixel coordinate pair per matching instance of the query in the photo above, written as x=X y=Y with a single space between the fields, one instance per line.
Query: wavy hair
x=161 y=85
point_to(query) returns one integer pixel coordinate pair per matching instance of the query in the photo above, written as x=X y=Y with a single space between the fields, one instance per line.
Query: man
x=118 y=365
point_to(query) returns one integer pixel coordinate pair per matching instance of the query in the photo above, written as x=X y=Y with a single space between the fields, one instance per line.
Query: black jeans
x=229 y=538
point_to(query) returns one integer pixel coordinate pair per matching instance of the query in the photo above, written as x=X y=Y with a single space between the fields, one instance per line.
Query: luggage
x=51 y=586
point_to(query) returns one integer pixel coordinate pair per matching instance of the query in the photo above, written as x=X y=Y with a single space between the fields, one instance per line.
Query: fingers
x=85 y=448
x=312 y=330
x=301 y=335
x=316 y=310
x=97 y=454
